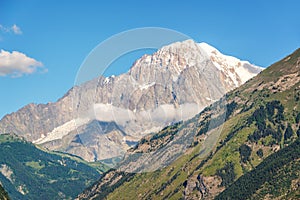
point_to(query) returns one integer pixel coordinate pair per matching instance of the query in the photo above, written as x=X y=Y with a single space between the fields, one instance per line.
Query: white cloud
x=16 y=30
x=3 y=29
x=16 y=64
x=13 y=29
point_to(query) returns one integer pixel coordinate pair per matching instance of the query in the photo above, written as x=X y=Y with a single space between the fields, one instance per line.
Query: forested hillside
x=27 y=170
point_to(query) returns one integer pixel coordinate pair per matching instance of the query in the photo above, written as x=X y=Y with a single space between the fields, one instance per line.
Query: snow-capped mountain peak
x=174 y=83
x=178 y=56
x=239 y=71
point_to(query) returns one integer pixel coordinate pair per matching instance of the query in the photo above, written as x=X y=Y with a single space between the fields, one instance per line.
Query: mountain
x=30 y=172
x=171 y=85
x=3 y=194
x=229 y=139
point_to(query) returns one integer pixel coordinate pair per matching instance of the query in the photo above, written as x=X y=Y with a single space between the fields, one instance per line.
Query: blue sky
x=60 y=34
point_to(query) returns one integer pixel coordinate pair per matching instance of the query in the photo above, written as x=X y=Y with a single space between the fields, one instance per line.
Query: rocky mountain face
x=244 y=146
x=102 y=118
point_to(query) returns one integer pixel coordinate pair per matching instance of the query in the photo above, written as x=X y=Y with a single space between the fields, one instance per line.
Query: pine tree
x=260 y=153
x=288 y=132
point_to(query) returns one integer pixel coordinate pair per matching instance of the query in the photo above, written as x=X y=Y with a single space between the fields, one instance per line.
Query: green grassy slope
x=278 y=176
x=28 y=172
x=262 y=117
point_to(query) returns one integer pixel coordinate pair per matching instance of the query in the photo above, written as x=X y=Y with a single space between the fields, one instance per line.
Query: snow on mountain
x=238 y=70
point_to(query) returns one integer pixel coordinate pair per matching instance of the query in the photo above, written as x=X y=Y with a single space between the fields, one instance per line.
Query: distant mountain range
x=244 y=146
x=104 y=117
